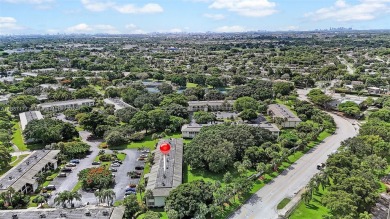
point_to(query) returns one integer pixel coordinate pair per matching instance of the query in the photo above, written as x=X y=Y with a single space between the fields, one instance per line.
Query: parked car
x=141 y=159
x=70 y=165
x=50 y=187
x=76 y=161
x=113 y=170
x=130 y=192
x=96 y=163
x=62 y=175
x=115 y=165
x=135 y=176
x=66 y=169
x=139 y=167
x=145 y=151
x=320 y=166
x=118 y=161
x=131 y=189
x=143 y=155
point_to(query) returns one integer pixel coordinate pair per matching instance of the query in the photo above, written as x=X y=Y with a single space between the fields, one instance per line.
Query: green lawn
x=121 y=156
x=13 y=158
x=98 y=89
x=17 y=138
x=31 y=204
x=77 y=186
x=283 y=203
x=146 y=143
x=14 y=162
x=163 y=215
x=191 y=85
x=314 y=210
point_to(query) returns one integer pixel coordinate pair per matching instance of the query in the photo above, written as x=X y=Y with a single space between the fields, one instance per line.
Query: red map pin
x=165 y=148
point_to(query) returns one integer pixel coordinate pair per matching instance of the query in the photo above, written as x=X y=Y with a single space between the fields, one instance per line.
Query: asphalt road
x=262 y=205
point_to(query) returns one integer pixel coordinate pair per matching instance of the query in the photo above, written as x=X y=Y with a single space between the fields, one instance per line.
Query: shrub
x=96 y=177
x=137 y=136
x=49 y=178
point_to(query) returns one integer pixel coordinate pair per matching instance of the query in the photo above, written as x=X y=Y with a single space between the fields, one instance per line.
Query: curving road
x=263 y=204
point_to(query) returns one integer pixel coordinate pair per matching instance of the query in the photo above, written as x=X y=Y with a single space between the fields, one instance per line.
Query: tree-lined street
x=263 y=204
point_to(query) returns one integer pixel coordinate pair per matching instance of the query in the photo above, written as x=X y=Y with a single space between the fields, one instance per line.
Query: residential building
x=118 y=103
x=287 y=118
x=161 y=181
x=29 y=74
x=217 y=105
x=88 y=211
x=29 y=116
x=191 y=130
x=23 y=177
x=68 y=104
x=334 y=104
x=374 y=90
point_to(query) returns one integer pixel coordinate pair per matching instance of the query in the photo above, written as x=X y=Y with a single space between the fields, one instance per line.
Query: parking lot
x=121 y=179
x=67 y=183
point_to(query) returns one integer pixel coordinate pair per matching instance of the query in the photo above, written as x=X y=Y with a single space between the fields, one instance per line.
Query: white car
x=115 y=165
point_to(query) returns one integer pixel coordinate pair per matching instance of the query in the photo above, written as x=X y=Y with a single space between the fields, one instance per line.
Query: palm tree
x=73 y=196
x=141 y=189
x=99 y=196
x=108 y=195
x=61 y=199
x=306 y=196
x=9 y=194
x=40 y=199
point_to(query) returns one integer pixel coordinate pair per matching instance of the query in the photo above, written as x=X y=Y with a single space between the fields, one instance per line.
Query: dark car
x=66 y=169
x=320 y=166
x=50 y=187
x=62 y=175
x=139 y=167
x=96 y=163
x=135 y=176
x=76 y=161
x=130 y=190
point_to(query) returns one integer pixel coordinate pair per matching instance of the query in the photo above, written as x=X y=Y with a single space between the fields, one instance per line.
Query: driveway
x=67 y=183
x=263 y=204
x=121 y=178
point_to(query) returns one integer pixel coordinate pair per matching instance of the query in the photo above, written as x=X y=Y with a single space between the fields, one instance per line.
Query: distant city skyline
x=192 y=16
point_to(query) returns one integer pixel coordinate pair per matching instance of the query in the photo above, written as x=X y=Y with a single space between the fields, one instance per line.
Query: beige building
x=23 y=177
x=217 y=105
x=161 y=182
x=64 y=105
x=191 y=130
x=288 y=118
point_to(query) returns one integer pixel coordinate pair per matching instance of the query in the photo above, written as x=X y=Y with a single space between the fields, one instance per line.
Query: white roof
x=27 y=117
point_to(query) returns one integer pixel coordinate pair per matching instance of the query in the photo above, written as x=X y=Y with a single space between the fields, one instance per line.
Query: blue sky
x=145 y=16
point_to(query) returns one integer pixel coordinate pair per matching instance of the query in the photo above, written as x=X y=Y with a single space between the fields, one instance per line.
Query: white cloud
x=28 y=1
x=289 y=28
x=8 y=25
x=85 y=28
x=98 y=6
x=133 y=29
x=249 y=8
x=342 y=11
x=132 y=9
x=231 y=29
x=215 y=16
